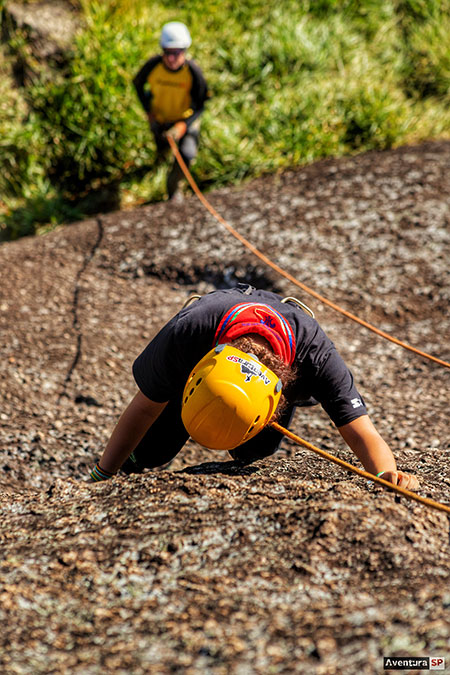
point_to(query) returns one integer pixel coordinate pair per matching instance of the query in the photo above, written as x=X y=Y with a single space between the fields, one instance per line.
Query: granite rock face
x=288 y=565
x=48 y=27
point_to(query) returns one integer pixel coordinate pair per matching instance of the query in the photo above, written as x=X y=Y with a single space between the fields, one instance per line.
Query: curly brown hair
x=262 y=350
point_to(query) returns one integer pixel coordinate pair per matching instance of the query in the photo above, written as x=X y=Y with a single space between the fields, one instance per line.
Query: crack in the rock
x=75 y=306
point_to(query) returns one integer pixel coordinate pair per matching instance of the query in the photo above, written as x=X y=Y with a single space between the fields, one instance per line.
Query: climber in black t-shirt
x=222 y=369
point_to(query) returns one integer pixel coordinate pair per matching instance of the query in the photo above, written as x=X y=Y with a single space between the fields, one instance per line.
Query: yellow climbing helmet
x=228 y=398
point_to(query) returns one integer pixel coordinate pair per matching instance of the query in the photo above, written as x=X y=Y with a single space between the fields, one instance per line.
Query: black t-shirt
x=162 y=369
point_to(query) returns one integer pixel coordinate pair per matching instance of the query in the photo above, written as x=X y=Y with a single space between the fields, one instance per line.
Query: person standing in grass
x=173 y=92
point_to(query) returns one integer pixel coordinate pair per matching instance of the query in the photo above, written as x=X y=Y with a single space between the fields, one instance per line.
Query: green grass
x=291 y=82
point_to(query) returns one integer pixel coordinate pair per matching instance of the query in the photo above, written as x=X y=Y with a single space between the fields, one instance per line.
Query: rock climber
x=222 y=369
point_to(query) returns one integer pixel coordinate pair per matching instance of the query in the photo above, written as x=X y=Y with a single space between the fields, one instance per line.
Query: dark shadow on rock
x=220 y=273
x=227 y=468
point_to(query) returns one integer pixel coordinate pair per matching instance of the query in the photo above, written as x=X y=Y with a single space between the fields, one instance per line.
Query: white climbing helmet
x=175 y=35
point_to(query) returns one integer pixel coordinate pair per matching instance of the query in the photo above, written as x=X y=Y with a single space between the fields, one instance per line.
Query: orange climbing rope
x=285 y=274
x=406 y=493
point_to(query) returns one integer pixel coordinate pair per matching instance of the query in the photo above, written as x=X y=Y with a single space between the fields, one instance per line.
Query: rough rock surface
x=56 y=21
x=291 y=564
x=49 y=27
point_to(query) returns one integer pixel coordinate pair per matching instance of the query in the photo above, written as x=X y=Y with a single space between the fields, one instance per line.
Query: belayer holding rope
x=173 y=91
x=226 y=366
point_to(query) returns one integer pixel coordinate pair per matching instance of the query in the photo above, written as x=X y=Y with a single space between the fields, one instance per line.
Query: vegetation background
x=290 y=82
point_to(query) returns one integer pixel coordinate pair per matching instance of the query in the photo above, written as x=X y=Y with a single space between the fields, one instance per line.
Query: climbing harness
x=285 y=274
x=360 y=472
x=300 y=304
x=190 y=300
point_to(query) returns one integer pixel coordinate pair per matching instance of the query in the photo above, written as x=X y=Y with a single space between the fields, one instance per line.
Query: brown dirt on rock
x=290 y=565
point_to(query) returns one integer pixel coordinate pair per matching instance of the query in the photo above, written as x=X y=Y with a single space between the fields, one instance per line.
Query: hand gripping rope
x=406 y=493
x=285 y=274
